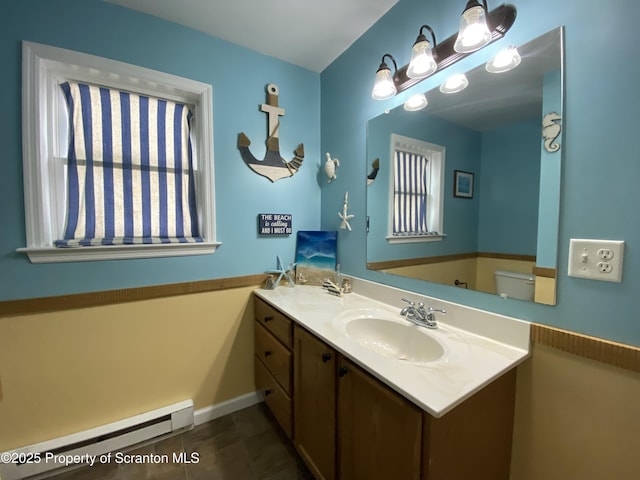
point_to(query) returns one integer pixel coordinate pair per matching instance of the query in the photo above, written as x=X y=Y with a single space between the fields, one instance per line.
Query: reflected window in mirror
x=417 y=190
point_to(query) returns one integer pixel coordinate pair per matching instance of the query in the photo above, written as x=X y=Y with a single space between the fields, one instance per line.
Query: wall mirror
x=502 y=148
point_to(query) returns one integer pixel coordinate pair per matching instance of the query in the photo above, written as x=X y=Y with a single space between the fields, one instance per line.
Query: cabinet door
x=379 y=432
x=315 y=403
x=473 y=441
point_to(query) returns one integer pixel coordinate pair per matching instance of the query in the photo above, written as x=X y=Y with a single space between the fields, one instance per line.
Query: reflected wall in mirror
x=492 y=129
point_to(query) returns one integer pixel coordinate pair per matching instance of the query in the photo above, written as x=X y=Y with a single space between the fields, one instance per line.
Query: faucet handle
x=409 y=302
x=439 y=310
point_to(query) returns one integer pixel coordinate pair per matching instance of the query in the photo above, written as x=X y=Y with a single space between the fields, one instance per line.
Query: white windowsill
x=116 y=252
x=415 y=238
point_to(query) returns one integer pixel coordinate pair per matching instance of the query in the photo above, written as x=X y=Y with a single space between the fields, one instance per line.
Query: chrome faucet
x=420 y=316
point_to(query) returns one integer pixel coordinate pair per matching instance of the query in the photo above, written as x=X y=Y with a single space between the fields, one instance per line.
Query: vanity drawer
x=274 y=321
x=275 y=397
x=274 y=355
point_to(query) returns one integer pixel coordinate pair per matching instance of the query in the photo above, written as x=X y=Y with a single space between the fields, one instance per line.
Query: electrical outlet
x=604 y=267
x=605 y=253
x=596 y=259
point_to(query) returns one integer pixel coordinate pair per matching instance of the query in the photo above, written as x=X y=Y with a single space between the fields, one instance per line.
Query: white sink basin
x=403 y=341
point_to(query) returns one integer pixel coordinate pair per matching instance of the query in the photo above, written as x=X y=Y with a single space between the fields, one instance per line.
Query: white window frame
x=43 y=68
x=435 y=200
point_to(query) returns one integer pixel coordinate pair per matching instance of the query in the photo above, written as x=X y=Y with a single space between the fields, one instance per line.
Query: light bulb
x=416 y=102
x=506 y=60
x=473 y=33
x=422 y=63
x=455 y=83
x=383 y=87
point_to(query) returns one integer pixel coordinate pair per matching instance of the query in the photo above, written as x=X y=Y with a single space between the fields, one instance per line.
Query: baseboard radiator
x=36 y=461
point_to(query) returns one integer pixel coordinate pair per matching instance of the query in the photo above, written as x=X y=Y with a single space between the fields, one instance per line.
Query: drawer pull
x=268 y=318
x=267 y=393
x=342 y=371
x=326 y=357
x=267 y=353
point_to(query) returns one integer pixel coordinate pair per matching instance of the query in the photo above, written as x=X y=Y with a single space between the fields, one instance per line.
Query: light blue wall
x=601 y=145
x=508 y=188
x=238 y=76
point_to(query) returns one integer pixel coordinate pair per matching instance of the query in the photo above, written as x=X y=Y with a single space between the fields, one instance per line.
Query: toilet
x=515 y=285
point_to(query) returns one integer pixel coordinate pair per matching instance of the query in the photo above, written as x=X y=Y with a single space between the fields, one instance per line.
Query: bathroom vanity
x=358 y=403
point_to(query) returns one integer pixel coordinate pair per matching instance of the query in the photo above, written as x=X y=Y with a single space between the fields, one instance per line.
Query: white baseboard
x=221 y=409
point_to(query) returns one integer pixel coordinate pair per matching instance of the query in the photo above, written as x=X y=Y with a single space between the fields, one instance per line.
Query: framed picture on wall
x=462 y=184
x=316 y=256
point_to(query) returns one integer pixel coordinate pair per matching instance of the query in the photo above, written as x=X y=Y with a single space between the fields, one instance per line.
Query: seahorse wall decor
x=551 y=128
x=273 y=166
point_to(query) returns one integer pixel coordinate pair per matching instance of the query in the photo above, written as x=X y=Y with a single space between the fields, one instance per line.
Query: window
x=56 y=194
x=417 y=190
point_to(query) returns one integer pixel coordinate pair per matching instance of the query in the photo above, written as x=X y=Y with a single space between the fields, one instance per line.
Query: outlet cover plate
x=586 y=259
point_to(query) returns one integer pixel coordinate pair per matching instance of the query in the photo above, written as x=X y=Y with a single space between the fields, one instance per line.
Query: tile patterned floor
x=244 y=445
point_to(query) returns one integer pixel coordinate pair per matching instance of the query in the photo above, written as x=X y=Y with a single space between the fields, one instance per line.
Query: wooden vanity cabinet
x=274 y=362
x=315 y=403
x=379 y=431
x=348 y=425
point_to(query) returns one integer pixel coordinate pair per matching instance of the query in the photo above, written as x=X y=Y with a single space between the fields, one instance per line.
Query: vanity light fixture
x=455 y=83
x=422 y=63
x=474 y=32
x=505 y=60
x=384 y=86
x=444 y=54
x=416 y=102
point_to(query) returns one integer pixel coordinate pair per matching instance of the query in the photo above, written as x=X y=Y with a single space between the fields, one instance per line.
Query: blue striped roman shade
x=410 y=194
x=130 y=176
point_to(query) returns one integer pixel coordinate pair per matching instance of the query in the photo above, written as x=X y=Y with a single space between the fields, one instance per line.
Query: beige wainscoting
x=475 y=269
x=546 y=283
x=577 y=414
x=447 y=272
x=545 y=291
x=76 y=368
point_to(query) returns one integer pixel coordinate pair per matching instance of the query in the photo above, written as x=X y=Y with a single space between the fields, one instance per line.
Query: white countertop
x=480 y=346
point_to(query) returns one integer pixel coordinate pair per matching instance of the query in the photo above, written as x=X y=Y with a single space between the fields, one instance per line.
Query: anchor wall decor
x=274 y=167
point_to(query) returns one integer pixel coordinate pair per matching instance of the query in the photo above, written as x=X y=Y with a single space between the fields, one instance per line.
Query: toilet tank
x=515 y=285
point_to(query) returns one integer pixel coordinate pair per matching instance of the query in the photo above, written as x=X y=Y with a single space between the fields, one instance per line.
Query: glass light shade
x=416 y=102
x=422 y=63
x=473 y=33
x=455 y=83
x=506 y=60
x=383 y=87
